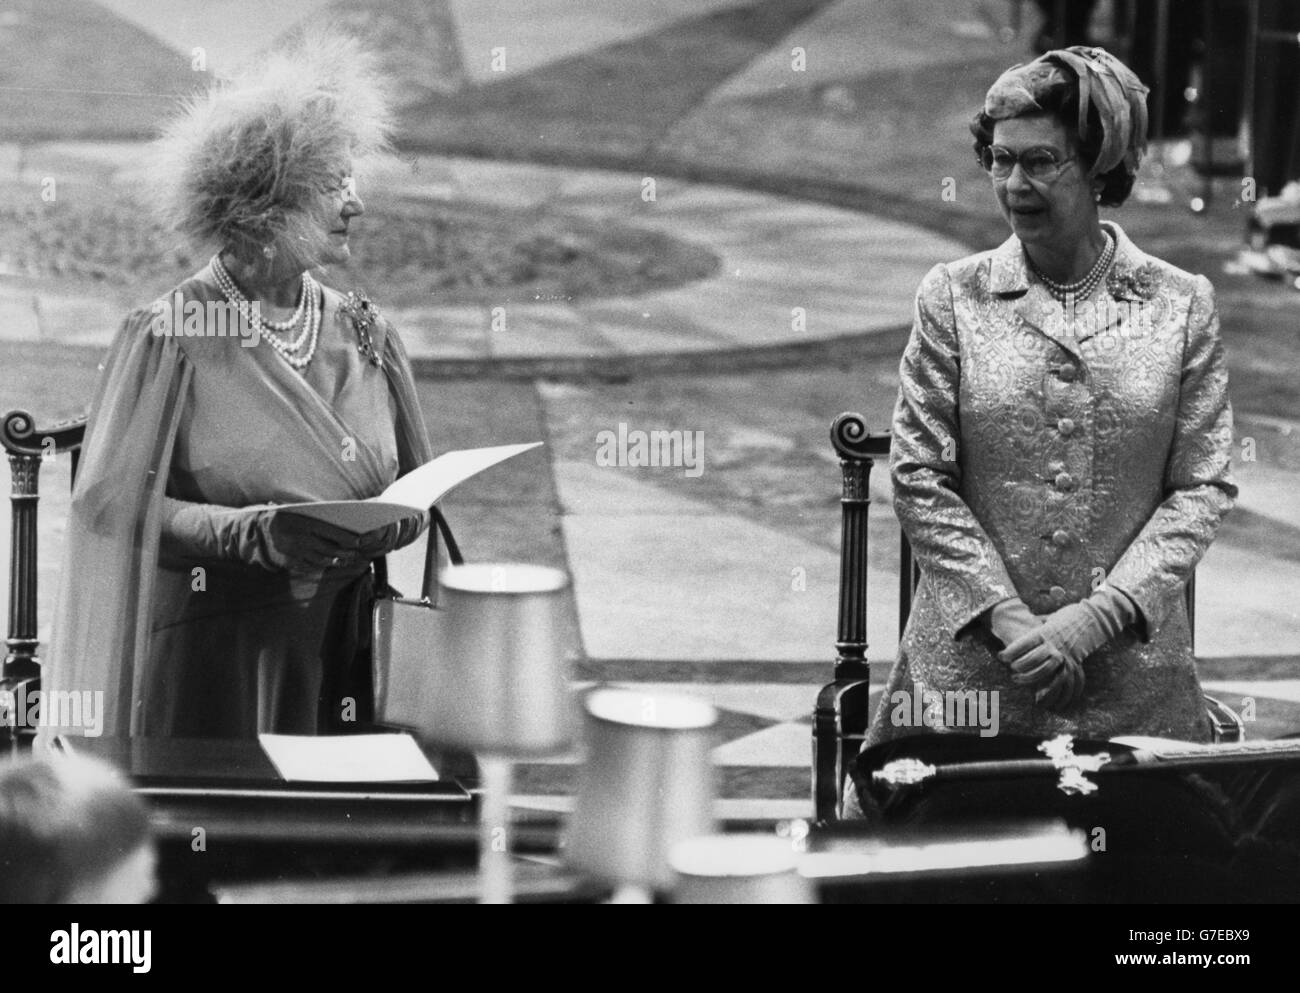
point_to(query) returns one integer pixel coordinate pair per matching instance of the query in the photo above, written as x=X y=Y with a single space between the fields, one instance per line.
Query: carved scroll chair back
x=842 y=712
x=28 y=447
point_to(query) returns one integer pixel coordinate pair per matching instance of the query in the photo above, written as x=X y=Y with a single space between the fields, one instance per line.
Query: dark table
x=222 y=814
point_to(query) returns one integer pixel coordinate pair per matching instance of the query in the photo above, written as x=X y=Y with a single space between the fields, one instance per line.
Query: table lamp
x=647 y=782
x=500 y=687
x=738 y=868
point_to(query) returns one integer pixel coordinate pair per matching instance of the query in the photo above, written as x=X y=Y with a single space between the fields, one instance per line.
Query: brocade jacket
x=1038 y=456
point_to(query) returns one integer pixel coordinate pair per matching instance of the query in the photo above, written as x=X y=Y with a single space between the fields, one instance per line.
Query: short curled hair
x=1059 y=98
x=64 y=821
x=243 y=165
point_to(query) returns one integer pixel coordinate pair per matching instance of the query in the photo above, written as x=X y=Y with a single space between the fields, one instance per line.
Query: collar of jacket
x=1132 y=278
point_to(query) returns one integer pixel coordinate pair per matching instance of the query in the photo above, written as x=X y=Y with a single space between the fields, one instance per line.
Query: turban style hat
x=1105 y=84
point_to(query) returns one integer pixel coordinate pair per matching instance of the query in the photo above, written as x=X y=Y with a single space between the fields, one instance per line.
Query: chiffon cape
x=182 y=645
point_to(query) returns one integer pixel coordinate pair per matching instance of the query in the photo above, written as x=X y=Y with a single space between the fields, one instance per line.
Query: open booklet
x=418 y=490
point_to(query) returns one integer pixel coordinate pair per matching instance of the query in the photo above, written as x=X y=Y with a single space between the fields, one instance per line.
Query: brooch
x=1141 y=282
x=364 y=315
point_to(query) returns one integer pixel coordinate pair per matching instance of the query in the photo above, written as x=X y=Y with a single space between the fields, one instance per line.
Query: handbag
x=407 y=634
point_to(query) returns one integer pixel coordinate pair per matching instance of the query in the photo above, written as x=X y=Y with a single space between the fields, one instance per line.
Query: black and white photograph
x=586 y=452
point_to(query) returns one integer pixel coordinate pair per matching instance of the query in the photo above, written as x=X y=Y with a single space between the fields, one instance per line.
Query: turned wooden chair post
x=841 y=715
x=27 y=446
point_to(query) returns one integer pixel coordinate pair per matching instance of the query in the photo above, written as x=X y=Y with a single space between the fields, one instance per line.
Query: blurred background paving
x=766 y=287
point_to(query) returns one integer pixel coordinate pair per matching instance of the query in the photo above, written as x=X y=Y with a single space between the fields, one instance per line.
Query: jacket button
x=1067 y=372
x=1057 y=593
x=1060 y=538
x=1064 y=481
x=1065 y=426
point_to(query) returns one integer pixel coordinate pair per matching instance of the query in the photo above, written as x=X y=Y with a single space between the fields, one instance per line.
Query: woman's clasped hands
x=1048 y=652
x=298 y=543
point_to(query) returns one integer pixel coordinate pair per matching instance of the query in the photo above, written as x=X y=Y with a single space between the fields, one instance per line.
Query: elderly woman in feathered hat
x=196 y=608
x=1062 y=435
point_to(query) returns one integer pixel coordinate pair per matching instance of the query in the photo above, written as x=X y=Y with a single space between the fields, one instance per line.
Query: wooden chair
x=28 y=446
x=842 y=713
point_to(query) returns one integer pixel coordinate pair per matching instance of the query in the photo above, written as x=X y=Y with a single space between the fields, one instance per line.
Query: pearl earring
x=268 y=251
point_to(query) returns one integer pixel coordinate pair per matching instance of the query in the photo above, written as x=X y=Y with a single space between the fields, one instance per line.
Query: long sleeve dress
x=186 y=643
x=1038 y=457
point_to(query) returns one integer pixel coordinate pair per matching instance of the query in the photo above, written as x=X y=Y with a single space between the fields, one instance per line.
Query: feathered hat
x=1104 y=82
x=243 y=164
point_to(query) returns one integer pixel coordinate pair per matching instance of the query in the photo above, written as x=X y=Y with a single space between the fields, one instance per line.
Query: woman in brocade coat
x=194 y=607
x=1062 y=435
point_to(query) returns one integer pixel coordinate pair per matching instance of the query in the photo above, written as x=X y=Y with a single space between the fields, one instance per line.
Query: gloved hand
x=383 y=540
x=1055 y=652
x=409 y=529
x=1062 y=681
x=260 y=536
x=1010 y=619
x=302 y=544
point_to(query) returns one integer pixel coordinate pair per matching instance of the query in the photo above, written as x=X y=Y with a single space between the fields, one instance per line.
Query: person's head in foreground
x=71 y=831
x=1061 y=136
x=260 y=168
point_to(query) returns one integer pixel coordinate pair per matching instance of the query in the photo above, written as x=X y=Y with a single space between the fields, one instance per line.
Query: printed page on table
x=417 y=491
x=348 y=758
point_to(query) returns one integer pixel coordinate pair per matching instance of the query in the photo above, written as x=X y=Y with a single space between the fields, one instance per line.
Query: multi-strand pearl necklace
x=1082 y=289
x=297 y=352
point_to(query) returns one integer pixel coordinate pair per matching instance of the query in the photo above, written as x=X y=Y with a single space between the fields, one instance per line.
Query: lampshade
x=500 y=683
x=738 y=868
x=647 y=783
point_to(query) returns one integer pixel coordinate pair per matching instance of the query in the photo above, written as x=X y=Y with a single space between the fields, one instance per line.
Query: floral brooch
x=1142 y=282
x=364 y=316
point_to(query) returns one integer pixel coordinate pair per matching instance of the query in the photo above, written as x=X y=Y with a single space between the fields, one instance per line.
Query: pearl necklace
x=298 y=352
x=1083 y=288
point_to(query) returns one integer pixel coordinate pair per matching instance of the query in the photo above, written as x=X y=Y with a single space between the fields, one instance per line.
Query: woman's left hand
x=1056 y=650
x=381 y=541
x=1075 y=630
x=1053 y=654
x=1062 y=677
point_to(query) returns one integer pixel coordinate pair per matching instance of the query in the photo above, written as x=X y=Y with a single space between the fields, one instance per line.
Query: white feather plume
x=242 y=165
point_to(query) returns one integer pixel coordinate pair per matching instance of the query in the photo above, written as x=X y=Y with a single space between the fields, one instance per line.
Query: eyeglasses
x=1039 y=164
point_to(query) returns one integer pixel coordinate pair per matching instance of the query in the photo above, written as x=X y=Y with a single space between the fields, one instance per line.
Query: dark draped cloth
x=194 y=646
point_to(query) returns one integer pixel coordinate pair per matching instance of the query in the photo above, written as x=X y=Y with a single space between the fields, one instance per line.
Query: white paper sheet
x=348 y=758
x=421 y=488
x=418 y=490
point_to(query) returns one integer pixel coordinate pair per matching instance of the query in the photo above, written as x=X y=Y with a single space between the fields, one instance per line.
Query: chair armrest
x=839 y=725
x=1226 y=723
